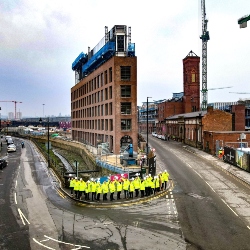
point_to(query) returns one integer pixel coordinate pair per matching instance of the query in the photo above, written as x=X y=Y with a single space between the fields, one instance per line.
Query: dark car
x=3 y=163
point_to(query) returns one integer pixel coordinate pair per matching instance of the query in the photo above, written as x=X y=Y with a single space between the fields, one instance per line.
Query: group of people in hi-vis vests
x=92 y=189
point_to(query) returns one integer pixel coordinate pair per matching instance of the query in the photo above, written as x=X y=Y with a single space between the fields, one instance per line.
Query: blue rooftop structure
x=116 y=42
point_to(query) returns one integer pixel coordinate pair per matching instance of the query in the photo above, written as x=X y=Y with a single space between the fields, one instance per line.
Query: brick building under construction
x=104 y=98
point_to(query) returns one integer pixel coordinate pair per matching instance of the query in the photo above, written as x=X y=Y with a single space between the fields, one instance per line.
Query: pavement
x=236 y=172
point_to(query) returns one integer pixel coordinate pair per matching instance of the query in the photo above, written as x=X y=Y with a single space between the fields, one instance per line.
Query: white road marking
x=230 y=208
x=15 y=197
x=64 y=242
x=42 y=244
x=211 y=187
x=22 y=216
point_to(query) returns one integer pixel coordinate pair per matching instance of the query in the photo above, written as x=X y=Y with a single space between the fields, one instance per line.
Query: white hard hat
x=149 y=174
x=80 y=179
x=132 y=179
x=76 y=178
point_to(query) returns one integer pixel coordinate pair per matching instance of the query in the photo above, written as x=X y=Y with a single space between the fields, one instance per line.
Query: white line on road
x=22 y=216
x=65 y=242
x=211 y=187
x=230 y=208
x=42 y=244
x=15 y=197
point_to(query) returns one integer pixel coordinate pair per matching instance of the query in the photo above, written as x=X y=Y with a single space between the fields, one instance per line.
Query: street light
x=48 y=147
x=43 y=110
x=147 y=131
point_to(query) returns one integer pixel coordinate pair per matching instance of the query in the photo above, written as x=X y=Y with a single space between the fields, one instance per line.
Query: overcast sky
x=39 y=40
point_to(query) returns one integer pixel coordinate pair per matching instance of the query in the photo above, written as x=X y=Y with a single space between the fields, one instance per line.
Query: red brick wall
x=173 y=108
x=239 y=121
x=226 y=138
x=217 y=120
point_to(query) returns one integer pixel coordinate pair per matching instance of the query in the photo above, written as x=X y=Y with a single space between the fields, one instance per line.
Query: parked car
x=154 y=134
x=11 y=148
x=159 y=136
x=3 y=163
x=163 y=137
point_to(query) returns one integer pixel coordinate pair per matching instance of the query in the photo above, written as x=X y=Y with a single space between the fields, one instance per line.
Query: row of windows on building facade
x=101 y=124
x=102 y=110
x=101 y=96
x=101 y=80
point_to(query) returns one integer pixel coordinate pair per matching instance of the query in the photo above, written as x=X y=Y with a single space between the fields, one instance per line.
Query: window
x=110 y=75
x=193 y=77
x=106 y=124
x=125 y=73
x=126 y=91
x=126 y=124
x=120 y=43
x=105 y=77
x=110 y=92
x=110 y=109
x=126 y=108
x=110 y=124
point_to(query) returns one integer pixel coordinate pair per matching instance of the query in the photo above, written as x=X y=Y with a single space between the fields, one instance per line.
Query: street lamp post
x=48 y=147
x=147 y=131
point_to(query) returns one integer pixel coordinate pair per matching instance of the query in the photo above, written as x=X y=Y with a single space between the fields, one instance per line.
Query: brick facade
x=223 y=138
x=217 y=120
x=96 y=111
x=239 y=117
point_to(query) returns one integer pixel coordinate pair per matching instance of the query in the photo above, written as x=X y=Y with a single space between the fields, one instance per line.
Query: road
x=213 y=207
x=50 y=220
x=205 y=209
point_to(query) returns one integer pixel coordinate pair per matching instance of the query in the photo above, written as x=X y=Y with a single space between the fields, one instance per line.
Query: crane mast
x=204 y=37
x=15 y=105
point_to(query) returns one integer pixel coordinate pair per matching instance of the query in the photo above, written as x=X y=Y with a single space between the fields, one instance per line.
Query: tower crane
x=239 y=93
x=204 y=37
x=221 y=88
x=15 y=105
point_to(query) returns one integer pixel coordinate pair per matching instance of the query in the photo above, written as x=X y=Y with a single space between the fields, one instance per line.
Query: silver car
x=11 y=148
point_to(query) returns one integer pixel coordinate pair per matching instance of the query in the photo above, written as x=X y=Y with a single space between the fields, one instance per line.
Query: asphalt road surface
x=206 y=209
x=213 y=208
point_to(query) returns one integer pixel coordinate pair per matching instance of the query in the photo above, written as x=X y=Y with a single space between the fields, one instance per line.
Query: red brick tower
x=191 y=82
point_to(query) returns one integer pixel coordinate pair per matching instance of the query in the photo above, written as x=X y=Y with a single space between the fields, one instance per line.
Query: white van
x=7 y=137
x=10 y=141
